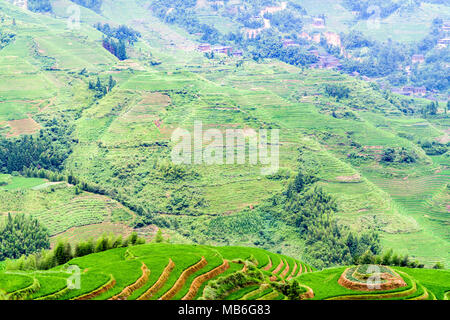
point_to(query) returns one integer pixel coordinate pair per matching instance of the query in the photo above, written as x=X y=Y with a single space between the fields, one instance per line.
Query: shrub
x=438 y=265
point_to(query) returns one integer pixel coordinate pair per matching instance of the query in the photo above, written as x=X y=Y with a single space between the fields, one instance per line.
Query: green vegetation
x=22 y=235
x=63 y=252
x=247 y=276
x=48 y=150
x=86 y=120
x=39 y=6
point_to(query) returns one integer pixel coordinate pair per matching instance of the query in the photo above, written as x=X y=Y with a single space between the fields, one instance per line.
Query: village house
x=238 y=53
x=328 y=62
x=21 y=3
x=314 y=52
x=318 y=23
x=304 y=35
x=410 y=90
x=225 y=50
x=395 y=90
x=290 y=43
x=420 y=91
x=446 y=26
x=443 y=43
x=204 y=47
x=418 y=58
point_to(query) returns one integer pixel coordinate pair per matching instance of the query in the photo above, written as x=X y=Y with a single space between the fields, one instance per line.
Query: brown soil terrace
x=22 y=126
x=268 y=266
x=300 y=269
x=285 y=271
x=378 y=296
x=160 y=283
x=293 y=271
x=131 y=288
x=197 y=283
x=182 y=279
x=109 y=285
x=354 y=178
x=278 y=268
x=309 y=294
x=391 y=282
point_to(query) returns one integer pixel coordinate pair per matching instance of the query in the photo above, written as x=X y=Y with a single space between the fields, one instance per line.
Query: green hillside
x=169 y=271
x=116 y=144
x=86 y=146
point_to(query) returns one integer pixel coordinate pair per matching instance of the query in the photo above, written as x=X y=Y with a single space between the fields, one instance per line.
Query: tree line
x=117 y=48
x=121 y=32
x=63 y=252
x=101 y=89
x=94 y=5
x=40 y=5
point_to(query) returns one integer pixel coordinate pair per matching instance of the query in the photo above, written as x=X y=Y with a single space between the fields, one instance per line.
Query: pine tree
x=111 y=83
x=121 y=51
x=60 y=254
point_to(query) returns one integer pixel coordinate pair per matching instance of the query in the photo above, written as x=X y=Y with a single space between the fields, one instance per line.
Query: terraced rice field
x=181 y=272
x=65 y=213
x=421 y=284
x=151 y=272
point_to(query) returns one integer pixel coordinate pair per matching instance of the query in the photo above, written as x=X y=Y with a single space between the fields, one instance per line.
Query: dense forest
x=117 y=48
x=311 y=211
x=40 y=5
x=22 y=235
x=91 y=4
x=121 y=32
x=46 y=150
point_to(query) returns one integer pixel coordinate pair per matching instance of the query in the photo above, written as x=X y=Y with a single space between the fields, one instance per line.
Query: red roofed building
x=418 y=58
x=204 y=47
x=318 y=23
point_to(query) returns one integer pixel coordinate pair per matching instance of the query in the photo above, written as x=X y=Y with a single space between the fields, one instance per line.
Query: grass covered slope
x=169 y=271
x=149 y=272
x=121 y=141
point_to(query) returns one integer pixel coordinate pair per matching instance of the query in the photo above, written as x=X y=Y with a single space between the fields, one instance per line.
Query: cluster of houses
x=418 y=58
x=318 y=23
x=444 y=42
x=206 y=47
x=446 y=26
x=411 y=91
x=326 y=61
x=290 y=43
